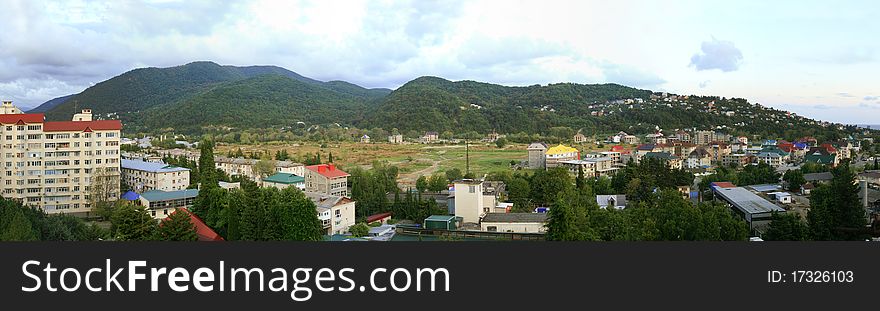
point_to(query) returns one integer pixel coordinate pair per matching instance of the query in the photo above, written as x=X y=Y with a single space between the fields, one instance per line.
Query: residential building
x=283 y=180
x=336 y=213
x=671 y=160
x=579 y=138
x=615 y=157
x=365 y=139
x=430 y=137
x=514 y=222
x=163 y=203
x=818 y=178
x=821 y=155
x=872 y=177
x=326 y=179
x=736 y=159
x=145 y=176
x=592 y=167
x=560 y=153
x=245 y=167
x=699 y=158
x=395 y=139
x=718 y=150
x=469 y=200
x=656 y=138
x=55 y=165
x=771 y=158
x=617 y=201
x=643 y=149
x=537 y=155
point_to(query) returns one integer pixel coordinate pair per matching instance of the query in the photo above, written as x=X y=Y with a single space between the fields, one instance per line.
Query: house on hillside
x=365 y=139
x=671 y=160
x=579 y=138
x=395 y=139
x=699 y=158
x=430 y=137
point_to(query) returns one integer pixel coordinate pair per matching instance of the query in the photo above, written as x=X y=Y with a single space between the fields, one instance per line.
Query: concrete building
x=163 y=203
x=755 y=210
x=395 y=139
x=699 y=158
x=592 y=167
x=579 y=138
x=555 y=155
x=245 y=167
x=537 y=155
x=144 y=176
x=736 y=159
x=326 y=179
x=283 y=180
x=672 y=161
x=469 y=202
x=771 y=158
x=55 y=165
x=336 y=213
x=365 y=139
x=430 y=137
x=514 y=222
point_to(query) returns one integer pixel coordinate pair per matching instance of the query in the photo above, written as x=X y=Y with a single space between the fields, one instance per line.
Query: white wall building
x=144 y=176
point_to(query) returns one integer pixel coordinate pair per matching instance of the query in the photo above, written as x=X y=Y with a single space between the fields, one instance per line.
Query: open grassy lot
x=413 y=160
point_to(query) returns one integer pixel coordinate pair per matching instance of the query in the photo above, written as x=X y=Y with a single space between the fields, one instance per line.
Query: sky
x=820 y=59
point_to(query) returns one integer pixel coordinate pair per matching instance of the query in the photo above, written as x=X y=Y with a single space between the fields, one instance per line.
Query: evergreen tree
x=177 y=227
x=836 y=212
x=15 y=226
x=786 y=227
x=330 y=157
x=132 y=223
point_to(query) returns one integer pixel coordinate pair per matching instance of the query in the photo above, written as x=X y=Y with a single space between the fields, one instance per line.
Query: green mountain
x=129 y=95
x=206 y=97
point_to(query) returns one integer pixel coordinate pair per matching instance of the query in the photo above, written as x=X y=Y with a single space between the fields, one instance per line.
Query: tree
x=453 y=174
x=207 y=168
x=794 y=179
x=15 y=226
x=501 y=142
x=437 y=183
x=330 y=157
x=421 y=184
x=132 y=223
x=103 y=191
x=177 y=227
x=836 y=213
x=786 y=227
x=264 y=167
x=359 y=230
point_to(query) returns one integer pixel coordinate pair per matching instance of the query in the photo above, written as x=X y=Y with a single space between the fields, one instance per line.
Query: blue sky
x=816 y=58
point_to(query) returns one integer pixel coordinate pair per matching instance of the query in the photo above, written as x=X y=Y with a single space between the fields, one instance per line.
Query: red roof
x=82 y=126
x=21 y=117
x=723 y=184
x=617 y=148
x=327 y=170
x=829 y=148
x=378 y=217
x=204 y=232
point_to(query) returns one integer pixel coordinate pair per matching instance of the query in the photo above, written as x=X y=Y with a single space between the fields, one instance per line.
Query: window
x=472 y=189
x=492 y=228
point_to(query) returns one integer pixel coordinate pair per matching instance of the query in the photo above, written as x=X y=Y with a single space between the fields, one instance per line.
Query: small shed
x=443 y=222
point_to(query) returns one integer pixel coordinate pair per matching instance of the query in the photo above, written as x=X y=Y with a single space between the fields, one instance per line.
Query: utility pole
x=467 y=158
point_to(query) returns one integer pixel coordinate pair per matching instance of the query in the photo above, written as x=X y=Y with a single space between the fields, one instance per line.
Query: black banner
x=480 y=275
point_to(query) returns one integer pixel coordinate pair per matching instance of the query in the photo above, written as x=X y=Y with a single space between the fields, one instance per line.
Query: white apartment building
x=245 y=167
x=57 y=166
x=144 y=176
x=335 y=213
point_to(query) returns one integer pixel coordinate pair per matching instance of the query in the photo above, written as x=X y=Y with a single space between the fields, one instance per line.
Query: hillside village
x=109 y=166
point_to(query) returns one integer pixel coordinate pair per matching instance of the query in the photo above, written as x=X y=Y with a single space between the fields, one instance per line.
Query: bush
x=359 y=230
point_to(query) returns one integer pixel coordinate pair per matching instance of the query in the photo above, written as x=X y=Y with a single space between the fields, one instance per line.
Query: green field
x=413 y=160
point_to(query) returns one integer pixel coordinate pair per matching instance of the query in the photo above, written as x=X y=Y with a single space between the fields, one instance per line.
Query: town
x=658 y=185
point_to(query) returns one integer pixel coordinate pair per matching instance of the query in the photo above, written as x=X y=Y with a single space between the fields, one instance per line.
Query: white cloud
x=717 y=54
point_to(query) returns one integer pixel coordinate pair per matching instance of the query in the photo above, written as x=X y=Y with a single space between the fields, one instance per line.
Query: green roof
x=440 y=218
x=660 y=155
x=285 y=178
x=775 y=150
x=159 y=195
x=821 y=159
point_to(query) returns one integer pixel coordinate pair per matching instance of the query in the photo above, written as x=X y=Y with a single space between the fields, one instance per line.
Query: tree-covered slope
x=259 y=102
